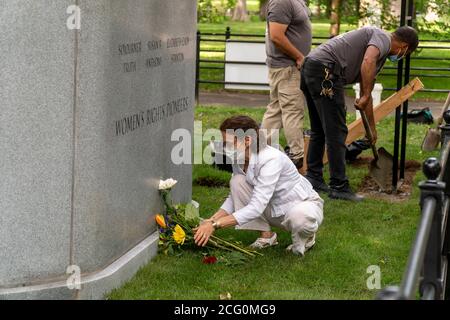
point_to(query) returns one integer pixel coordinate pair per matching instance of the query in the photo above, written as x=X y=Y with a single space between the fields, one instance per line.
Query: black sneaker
x=318 y=186
x=345 y=194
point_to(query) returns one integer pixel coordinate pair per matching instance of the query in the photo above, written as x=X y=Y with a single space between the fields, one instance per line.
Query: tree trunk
x=328 y=11
x=358 y=9
x=240 y=11
x=335 y=18
x=263 y=9
x=318 y=10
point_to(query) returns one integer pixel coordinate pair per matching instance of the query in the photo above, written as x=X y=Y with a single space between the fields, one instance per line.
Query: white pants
x=302 y=220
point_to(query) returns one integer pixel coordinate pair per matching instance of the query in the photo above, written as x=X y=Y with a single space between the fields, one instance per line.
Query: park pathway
x=239 y=99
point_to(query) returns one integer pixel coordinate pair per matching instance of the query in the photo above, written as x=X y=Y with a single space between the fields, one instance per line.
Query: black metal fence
x=228 y=36
x=427 y=269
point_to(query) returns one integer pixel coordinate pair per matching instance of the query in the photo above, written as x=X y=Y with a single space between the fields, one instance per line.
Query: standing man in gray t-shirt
x=288 y=41
x=356 y=56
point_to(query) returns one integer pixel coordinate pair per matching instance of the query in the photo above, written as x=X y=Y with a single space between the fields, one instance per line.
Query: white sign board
x=246 y=73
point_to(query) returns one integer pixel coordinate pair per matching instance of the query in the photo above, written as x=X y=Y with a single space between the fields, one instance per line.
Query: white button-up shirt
x=276 y=185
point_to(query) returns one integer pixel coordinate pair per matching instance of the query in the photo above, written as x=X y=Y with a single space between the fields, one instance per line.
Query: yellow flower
x=160 y=221
x=179 y=235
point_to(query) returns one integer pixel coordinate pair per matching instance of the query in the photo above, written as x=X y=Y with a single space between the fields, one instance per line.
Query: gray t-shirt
x=295 y=14
x=348 y=51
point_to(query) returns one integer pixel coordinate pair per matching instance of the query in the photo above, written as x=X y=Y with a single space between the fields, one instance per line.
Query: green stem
x=234 y=246
x=218 y=245
x=217 y=240
x=237 y=247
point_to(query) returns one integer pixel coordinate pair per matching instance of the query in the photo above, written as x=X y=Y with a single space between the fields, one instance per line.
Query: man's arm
x=368 y=74
x=368 y=70
x=277 y=32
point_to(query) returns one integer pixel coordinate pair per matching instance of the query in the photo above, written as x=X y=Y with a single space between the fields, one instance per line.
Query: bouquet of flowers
x=177 y=223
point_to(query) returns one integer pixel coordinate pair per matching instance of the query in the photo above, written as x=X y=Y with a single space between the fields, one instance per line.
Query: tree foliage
x=438 y=19
x=214 y=11
x=240 y=11
x=263 y=9
x=431 y=16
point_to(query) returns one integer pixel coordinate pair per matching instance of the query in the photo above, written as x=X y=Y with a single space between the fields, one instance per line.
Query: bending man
x=356 y=56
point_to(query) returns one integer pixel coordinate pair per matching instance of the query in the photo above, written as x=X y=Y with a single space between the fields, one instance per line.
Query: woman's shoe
x=262 y=243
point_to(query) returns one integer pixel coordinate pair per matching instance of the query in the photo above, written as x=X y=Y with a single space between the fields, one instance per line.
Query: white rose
x=167 y=184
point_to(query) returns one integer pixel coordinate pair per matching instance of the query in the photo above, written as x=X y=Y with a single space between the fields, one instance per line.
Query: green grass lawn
x=353 y=237
x=321 y=29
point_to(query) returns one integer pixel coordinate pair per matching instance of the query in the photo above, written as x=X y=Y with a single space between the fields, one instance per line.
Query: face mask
x=230 y=153
x=396 y=58
x=237 y=154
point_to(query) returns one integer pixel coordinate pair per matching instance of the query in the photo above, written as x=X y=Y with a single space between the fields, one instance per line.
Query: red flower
x=209 y=260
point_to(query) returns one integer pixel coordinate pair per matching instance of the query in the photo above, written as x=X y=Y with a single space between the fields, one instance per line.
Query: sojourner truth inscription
x=136 y=49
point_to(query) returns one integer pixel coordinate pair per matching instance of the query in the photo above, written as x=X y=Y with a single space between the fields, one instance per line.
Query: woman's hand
x=203 y=233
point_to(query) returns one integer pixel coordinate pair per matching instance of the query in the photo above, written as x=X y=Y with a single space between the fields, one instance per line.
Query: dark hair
x=244 y=126
x=407 y=35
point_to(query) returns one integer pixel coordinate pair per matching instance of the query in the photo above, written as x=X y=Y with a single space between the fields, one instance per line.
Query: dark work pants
x=328 y=125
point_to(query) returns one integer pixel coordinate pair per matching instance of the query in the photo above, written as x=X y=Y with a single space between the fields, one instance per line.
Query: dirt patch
x=370 y=189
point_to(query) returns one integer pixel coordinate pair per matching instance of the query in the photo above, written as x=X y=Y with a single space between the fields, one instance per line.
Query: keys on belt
x=327 y=85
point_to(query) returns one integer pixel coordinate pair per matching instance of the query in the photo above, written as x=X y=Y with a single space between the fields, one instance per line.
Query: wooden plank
x=356 y=128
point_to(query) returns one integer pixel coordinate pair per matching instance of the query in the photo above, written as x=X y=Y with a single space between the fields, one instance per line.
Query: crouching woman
x=266 y=191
